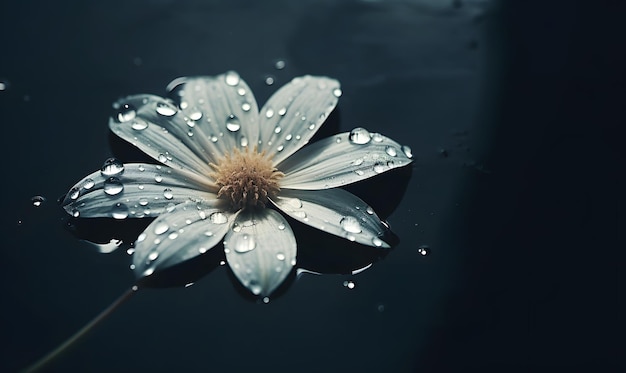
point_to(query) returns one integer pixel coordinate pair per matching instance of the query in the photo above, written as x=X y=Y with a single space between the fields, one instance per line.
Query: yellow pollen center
x=246 y=178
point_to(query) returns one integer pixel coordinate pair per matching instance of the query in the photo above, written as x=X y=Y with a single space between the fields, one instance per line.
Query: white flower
x=224 y=163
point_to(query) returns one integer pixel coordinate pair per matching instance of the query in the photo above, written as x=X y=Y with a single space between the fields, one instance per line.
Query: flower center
x=246 y=178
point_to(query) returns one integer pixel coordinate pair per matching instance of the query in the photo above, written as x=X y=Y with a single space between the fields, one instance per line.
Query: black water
x=513 y=112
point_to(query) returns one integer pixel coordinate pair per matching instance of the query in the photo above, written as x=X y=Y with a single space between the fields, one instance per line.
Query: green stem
x=44 y=361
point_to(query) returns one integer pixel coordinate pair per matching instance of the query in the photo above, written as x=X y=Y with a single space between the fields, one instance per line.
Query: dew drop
x=243 y=141
x=255 y=288
x=295 y=203
x=377 y=137
x=232 y=123
x=120 y=211
x=369 y=210
x=282 y=111
x=269 y=80
x=75 y=213
x=162 y=158
x=379 y=167
x=203 y=250
x=139 y=124
x=232 y=78
x=173 y=235
x=350 y=224
x=337 y=92
x=377 y=242
x=141 y=237
x=243 y=243
x=153 y=255
x=158 y=178
x=246 y=106
x=349 y=284
x=407 y=151
x=167 y=193
x=195 y=114
x=281 y=226
x=166 y=109
x=74 y=193
x=266 y=300
x=113 y=186
x=112 y=167
x=218 y=218
x=359 y=136
x=423 y=250
x=88 y=183
x=279 y=65
x=280 y=256
x=127 y=112
x=160 y=228
x=38 y=200
x=391 y=151
x=299 y=214
x=269 y=113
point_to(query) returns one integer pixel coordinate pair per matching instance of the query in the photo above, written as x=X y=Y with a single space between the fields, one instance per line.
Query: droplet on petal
x=127 y=112
x=359 y=136
x=113 y=186
x=351 y=224
x=232 y=123
x=112 y=167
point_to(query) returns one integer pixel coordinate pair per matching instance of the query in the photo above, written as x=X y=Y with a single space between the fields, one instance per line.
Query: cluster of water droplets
x=381 y=162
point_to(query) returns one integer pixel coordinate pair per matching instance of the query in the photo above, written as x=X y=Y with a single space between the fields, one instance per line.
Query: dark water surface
x=513 y=113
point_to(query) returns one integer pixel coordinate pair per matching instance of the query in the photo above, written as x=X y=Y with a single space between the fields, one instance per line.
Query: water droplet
x=381 y=308
x=203 y=250
x=170 y=207
x=357 y=162
x=232 y=123
x=269 y=113
x=280 y=256
x=113 y=186
x=120 y=211
x=218 y=218
x=337 y=92
x=246 y=106
x=195 y=113
x=349 y=284
x=166 y=109
x=311 y=126
x=232 y=78
x=299 y=214
x=153 y=255
x=281 y=226
x=379 y=167
x=423 y=250
x=350 y=224
x=75 y=213
x=369 y=210
x=377 y=137
x=243 y=141
x=158 y=178
x=279 y=65
x=295 y=203
x=173 y=235
x=141 y=237
x=266 y=300
x=112 y=167
x=282 y=111
x=4 y=85
x=167 y=193
x=269 y=80
x=390 y=150
x=139 y=124
x=38 y=200
x=277 y=129
x=162 y=158
x=255 y=287
x=88 y=183
x=359 y=136
x=407 y=151
x=127 y=112
x=160 y=228
x=377 y=242
x=243 y=243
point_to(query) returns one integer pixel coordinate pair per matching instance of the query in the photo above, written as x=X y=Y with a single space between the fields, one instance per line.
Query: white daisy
x=224 y=164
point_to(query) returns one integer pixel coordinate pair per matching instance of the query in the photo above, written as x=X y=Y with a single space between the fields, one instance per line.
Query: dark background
x=514 y=111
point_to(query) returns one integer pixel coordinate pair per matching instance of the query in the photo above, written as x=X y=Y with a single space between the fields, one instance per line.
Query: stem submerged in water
x=44 y=361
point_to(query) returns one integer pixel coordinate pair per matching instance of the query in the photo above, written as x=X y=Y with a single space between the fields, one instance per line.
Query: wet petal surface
x=335 y=211
x=186 y=231
x=343 y=159
x=135 y=191
x=294 y=114
x=260 y=249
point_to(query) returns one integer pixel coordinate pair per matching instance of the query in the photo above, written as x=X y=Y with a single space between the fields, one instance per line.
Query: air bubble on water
x=37 y=201
x=279 y=64
x=349 y=284
x=112 y=167
x=423 y=250
x=359 y=136
x=269 y=80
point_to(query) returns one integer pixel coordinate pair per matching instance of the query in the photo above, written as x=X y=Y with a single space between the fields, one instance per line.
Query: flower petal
x=294 y=114
x=343 y=159
x=223 y=110
x=188 y=230
x=260 y=249
x=140 y=190
x=159 y=129
x=335 y=211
